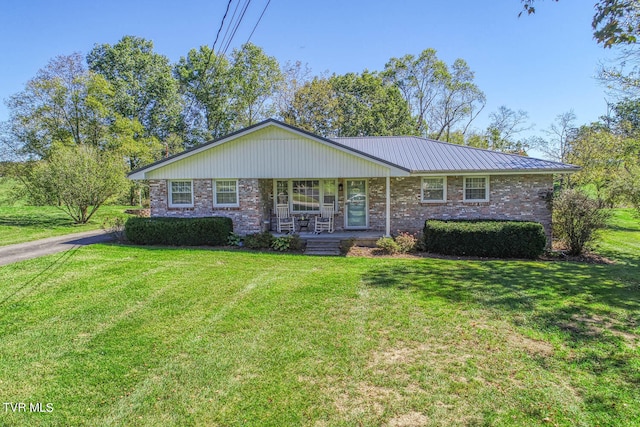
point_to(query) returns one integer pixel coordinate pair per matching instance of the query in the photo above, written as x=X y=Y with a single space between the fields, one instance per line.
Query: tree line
x=129 y=99
x=127 y=102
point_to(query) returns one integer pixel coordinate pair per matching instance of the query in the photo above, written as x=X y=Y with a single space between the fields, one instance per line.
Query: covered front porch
x=361 y=205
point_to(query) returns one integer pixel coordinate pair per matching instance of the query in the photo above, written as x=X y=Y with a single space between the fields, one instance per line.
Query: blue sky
x=544 y=64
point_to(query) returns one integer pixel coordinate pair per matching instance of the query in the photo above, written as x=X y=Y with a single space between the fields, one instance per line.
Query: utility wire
x=206 y=66
x=226 y=41
x=222 y=24
x=257 y=23
x=237 y=25
x=233 y=17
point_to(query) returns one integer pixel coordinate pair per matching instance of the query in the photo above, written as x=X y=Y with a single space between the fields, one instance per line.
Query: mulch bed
x=554 y=255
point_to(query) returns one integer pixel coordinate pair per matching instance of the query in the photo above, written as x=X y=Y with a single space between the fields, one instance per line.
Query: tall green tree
x=255 y=80
x=420 y=80
x=64 y=104
x=503 y=130
x=460 y=102
x=609 y=155
x=557 y=142
x=68 y=105
x=600 y=154
x=351 y=105
x=206 y=85
x=314 y=108
x=143 y=84
x=368 y=106
x=295 y=75
x=444 y=100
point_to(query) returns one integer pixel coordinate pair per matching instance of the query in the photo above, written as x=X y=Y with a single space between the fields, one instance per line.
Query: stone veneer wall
x=247 y=218
x=513 y=197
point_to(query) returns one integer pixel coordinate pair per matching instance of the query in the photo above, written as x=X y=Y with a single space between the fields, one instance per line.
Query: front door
x=356 y=206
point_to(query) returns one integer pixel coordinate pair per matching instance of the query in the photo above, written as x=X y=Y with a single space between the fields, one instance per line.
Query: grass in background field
x=151 y=336
x=25 y=223
x=20 y=222
x=621 y=239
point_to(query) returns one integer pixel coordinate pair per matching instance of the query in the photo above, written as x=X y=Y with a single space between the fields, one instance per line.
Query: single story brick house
x=385 y=184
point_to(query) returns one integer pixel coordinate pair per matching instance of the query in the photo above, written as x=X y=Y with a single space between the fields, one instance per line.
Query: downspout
x=388 y=207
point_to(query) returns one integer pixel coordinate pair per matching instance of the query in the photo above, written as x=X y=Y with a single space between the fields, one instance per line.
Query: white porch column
x=388 y=208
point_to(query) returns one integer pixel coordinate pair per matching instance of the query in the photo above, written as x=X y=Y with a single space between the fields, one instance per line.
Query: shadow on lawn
x=36 y=280
x=593 y=309
x=43 y=221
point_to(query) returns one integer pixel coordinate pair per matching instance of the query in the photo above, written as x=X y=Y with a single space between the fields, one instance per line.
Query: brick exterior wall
x=247 y=218
x=514 y=197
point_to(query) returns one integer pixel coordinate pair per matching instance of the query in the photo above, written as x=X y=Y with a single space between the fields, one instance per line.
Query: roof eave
x=537 y=171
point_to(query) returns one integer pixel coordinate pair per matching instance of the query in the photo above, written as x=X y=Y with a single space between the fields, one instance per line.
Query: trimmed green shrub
x=258 y=241
x=485 y=238
x=209 y=231
x=406 y=242
x=387 y=245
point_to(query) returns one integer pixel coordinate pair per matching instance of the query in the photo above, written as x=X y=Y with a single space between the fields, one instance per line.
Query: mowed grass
x=20 y=222
x=117 y=335
x=26 y=223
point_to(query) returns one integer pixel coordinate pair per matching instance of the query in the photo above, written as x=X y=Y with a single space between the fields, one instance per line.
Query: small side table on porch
x=303 y=223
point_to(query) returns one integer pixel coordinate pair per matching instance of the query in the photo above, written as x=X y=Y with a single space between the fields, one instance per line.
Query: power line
x=237 y=25
x=227 y=38
x=221 y=25
x=206 y=66
x=257 y=23
x=226 y=33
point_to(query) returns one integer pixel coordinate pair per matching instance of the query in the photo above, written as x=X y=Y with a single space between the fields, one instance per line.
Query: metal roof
x=422 y=155
x=406 y=153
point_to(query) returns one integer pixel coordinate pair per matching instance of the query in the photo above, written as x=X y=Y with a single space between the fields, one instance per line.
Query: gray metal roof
x=429 y=156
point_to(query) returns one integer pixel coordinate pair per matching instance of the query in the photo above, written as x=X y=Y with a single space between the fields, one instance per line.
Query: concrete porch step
x=323 y=253
x=323 y=247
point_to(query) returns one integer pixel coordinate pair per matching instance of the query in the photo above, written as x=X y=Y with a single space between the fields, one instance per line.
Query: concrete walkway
x=37 y=248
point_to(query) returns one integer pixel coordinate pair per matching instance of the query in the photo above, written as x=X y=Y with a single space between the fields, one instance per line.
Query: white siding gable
x=271 y=152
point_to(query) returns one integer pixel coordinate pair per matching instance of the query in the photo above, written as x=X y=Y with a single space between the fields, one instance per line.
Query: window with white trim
x=305 y=195
x=476 y=189
x=329 y=192
x=225 y=193
x=282 y=192
x=434 y=189
x=181 y=193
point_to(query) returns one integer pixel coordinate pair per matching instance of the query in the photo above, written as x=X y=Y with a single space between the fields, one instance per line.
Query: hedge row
x=210 y=231
x=486 y=238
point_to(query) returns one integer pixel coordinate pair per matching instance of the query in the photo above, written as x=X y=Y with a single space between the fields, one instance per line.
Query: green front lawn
x=114 y=335
x=25 y=223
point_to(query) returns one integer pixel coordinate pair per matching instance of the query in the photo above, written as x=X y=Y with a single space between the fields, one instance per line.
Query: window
x=330 y=192
x=476 y=189
x=305 y=195
x=225 y=192
x=282 y=192
x=434 y=189
x=181 y=193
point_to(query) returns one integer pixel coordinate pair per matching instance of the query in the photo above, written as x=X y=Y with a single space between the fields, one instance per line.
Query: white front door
x=356 y=212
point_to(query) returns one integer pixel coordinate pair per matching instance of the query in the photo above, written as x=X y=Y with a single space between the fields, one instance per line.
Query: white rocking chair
x=324 y=222
x=286 y=222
